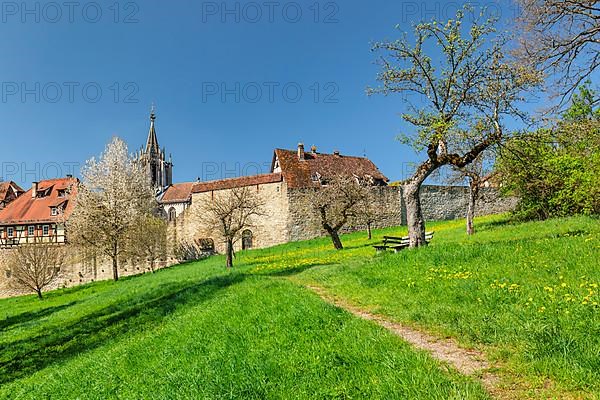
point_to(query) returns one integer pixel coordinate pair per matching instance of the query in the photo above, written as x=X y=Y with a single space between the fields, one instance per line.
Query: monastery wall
x=267 y=230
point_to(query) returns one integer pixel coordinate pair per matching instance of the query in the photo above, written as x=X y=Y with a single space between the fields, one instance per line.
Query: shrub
x=556 y=172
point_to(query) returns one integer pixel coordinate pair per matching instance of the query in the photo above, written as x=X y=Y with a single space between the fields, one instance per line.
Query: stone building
x=176 y=199
x=282 y=191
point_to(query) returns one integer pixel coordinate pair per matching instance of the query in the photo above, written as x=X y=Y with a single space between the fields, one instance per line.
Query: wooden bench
x=398 y=243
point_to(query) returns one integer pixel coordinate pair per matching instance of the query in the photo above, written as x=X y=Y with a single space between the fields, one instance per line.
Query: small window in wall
x=207 y=245
x=31 y=231
x=10 y=232
x=247 y=239
x=46 y=230
x=172 y=214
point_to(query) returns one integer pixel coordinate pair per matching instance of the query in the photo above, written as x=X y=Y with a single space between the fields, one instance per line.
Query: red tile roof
x=7 y=191
x=178 y=193
x=25 y=209
x=299 y=174
x=231 y=183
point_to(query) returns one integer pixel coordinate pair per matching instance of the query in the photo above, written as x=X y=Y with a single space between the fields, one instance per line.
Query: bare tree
x=34 y=267
x=114 y=195
x=150 y=240
x=229 y=212
x=563 y=39
x=476 y=174
x=336 y=203
x=464 y=99
x=370 y=210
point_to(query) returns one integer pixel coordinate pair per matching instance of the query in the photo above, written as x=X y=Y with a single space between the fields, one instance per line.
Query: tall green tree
x=466 y=87
x=556 y=171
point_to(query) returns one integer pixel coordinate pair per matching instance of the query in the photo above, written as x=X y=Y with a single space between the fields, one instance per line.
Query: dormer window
x=54 y=211
x=43 y=193
x=62 y=193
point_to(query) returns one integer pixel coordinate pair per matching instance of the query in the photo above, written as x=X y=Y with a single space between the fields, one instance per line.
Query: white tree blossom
x=114 y=195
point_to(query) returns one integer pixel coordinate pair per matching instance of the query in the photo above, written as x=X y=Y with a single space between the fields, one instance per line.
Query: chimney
x=34 y=189
x=313 y=149
x=336 y=153
x=69 y=176
x=301 y=151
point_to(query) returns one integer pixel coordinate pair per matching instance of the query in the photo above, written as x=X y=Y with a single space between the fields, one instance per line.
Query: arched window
x=247 y=239
x=172 y=214
x=206 y=245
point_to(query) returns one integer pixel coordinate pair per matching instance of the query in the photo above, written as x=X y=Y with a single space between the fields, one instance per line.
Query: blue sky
x=192 y=59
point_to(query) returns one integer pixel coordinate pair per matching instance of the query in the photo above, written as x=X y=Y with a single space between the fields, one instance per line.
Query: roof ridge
x=239 y=177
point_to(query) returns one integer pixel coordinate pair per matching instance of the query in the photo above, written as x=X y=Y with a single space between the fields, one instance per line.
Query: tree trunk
x=229 y=252
x=334 y=235
x=369 y=230
x=115 y=267
x=414 y=214
x=473 y=193
x=115 y=261
x=335 y=238
x=39 y=293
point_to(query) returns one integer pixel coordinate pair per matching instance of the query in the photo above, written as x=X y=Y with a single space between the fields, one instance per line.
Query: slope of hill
x=526 y=295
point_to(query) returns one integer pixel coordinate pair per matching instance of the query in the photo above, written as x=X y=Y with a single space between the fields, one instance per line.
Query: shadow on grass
x=106 y=284
x=19 y=319
x=59 y=343
x=490 y=225
x=292 y=271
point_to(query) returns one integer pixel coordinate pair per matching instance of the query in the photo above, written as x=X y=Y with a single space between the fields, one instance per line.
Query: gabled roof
x=26 y=210
x=178 y=193
x=299 y=173
x=231 y=183
x=9 y=189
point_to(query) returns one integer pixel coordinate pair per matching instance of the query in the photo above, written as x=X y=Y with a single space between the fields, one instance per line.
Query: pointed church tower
x=160 y=171
x=152 y=142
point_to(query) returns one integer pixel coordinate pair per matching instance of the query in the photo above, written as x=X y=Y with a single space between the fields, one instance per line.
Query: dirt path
x=468 y=362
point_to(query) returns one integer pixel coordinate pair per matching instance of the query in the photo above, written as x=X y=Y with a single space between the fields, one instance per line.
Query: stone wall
x=267 y=230
x=451 y=202
x=438 y=203
x=303 y=226
x=284 y=220
x=79 y=270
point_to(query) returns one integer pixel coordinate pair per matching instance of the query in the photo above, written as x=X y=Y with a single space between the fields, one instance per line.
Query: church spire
x=152 y=142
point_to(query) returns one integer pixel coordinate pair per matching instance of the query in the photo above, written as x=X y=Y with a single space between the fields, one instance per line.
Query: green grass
x=525 y=294
x=196 y=331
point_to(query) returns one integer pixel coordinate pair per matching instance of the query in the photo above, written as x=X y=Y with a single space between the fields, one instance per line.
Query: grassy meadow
x=524 y=294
